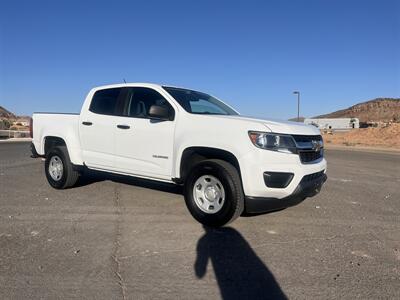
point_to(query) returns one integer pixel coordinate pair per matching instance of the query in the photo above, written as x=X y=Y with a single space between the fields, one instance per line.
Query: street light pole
x=298 y=104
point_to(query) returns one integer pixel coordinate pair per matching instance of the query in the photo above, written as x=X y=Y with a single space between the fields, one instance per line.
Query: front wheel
x=58 y=168
x=213 y=193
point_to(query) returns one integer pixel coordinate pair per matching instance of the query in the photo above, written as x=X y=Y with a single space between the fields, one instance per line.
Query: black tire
x=234 y=198
x=69 y=176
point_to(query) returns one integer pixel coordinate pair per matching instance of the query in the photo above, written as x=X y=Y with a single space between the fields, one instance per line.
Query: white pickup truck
x=228 y=164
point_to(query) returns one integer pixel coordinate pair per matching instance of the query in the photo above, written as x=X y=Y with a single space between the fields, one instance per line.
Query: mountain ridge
x=4 y=113
x=375 y=110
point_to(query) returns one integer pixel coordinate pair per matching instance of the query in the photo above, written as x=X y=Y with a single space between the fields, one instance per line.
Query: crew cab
x=228 y=164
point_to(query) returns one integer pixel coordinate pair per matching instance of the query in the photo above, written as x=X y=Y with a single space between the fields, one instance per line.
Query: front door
x=144 y=146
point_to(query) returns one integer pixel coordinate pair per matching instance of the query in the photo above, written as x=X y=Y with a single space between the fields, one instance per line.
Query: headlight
x=273 y=141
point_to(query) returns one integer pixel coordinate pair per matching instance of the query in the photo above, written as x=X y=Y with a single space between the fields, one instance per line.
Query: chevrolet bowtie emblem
x=316 y=145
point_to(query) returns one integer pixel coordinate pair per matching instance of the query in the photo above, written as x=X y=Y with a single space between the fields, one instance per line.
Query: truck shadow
x=239 y=272
x=91 y=177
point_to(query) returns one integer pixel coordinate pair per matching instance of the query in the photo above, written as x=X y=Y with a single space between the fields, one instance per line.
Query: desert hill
x=4 y=113
x=379 y=109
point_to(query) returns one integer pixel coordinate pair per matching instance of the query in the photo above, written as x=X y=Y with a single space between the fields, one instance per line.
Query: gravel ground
x=123 y=238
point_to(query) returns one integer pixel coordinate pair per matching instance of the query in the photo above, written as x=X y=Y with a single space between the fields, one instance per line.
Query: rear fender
x=72 y=143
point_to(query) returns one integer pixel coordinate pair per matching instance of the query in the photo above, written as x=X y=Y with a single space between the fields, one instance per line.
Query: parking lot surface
x=123 y=238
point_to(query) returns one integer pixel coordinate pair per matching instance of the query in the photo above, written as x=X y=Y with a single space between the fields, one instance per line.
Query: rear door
x=97 y=128
x=144 y=146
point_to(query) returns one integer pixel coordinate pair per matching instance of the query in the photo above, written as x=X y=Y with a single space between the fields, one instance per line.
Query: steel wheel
x=56 y=168
x=209 y=194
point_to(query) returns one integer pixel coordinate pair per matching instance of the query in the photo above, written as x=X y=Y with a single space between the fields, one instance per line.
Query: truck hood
x=285 y=127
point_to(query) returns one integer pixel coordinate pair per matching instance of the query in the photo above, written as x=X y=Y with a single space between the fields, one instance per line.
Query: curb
x=364 y=149
x=15 y=140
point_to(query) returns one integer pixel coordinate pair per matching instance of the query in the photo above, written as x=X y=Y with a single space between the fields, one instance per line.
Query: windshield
x=199 y=103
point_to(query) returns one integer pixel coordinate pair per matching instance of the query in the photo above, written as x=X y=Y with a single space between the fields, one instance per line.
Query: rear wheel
x=213 y=193
x=58 y=168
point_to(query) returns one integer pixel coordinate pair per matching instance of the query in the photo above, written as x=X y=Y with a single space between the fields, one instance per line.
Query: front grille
x=310 y=147
x=306 y=138
x=310 y=155
x=313 y=176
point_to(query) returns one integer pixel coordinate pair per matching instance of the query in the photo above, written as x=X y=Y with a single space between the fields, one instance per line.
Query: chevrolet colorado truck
x=228 y=164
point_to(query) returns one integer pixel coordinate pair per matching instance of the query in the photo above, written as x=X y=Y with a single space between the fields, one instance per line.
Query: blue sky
x=252 y=54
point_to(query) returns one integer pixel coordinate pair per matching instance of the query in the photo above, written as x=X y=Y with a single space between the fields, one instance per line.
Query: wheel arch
x=192 y=155
x=50 y=142
x=73 y=149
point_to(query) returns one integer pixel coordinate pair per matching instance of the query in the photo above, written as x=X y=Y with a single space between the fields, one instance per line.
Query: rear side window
x=104 y=102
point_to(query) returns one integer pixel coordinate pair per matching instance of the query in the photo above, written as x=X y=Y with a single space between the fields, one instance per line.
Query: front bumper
x=309 y=186
x=254 y=164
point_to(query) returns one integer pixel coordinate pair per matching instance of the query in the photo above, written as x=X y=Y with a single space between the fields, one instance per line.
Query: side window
x=104 y=102
x=139 y=100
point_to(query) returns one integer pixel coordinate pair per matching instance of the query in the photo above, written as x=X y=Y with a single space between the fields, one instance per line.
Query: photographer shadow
x=240 y=273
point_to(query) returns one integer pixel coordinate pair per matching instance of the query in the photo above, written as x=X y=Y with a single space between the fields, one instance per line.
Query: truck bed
x=64 y=125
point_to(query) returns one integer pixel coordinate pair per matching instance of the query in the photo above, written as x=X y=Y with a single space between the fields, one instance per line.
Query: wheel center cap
x=210 y=193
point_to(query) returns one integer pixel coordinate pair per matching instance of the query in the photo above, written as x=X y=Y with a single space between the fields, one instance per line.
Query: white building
x=334 y=124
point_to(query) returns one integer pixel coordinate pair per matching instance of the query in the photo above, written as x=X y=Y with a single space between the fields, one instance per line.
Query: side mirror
x=159 y=112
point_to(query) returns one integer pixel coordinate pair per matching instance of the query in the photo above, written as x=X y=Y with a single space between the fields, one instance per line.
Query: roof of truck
x=139 y=84
x=142 y=84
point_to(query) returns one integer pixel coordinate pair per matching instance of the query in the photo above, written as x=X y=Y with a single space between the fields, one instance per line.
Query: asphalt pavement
x=123 y=238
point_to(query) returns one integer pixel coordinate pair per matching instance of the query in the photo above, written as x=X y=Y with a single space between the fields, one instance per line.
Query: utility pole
x=298 y=104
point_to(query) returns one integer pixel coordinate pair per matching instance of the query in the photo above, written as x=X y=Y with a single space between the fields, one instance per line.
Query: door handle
x=123 y=126
x=87 y=123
